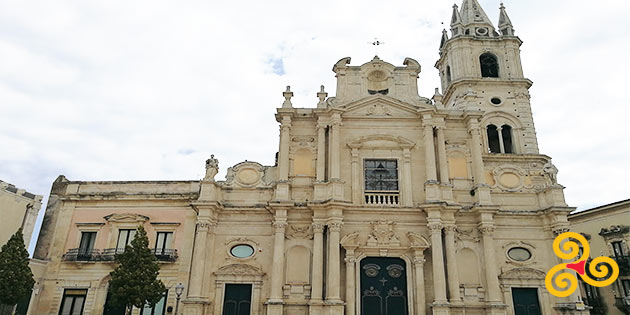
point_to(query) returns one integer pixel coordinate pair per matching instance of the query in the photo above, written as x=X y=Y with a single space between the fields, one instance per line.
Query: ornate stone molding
x=299 y=232
x=435 y=227
x=450 y=228
x=318 y=227
x=487 y=229
x=418 y=241
x=334 y=226
x=350 y=240
x=126 y=218
x=383 y=234
x=280 y=226
x=560 y=230
x=523 y=274
x=239 y=269
x=614 y=229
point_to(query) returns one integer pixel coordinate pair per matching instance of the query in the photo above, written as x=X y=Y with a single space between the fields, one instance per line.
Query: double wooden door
x=383 y=286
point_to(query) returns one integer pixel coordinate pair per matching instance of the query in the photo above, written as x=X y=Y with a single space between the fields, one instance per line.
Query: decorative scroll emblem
x=567 y=282
x=396 y=292
x=372 y=292
x=371 y=270
x=395 y=271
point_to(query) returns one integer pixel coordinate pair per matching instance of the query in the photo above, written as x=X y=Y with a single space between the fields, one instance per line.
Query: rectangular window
x=381 y=182
x=381 y=175
x=72 y=302
x=617 y=249
x=158 y=309
x=626 y=287
x=124 y=238
x=86 y=246
x=164 y=241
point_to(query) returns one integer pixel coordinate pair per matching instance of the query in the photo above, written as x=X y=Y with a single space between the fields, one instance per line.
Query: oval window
x=242 y=251
x=519 y=254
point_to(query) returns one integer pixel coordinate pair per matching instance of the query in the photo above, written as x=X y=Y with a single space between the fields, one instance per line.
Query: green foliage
x=16 y=277
x=134 y=282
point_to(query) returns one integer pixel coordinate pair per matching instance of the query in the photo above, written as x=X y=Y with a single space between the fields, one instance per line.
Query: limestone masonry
x=382 y=202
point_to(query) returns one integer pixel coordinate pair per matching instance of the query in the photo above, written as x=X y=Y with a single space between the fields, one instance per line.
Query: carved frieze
x=523 y=274
x=239 y=270
x=383 y=234
x=299 y=232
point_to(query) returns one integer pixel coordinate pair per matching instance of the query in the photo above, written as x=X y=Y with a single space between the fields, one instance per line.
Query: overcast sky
x=147 y=90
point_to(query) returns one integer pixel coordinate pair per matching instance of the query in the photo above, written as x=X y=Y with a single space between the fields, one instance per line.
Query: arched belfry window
x=500 y=139
x=489 y=65
x=506 y=135
x=493 y=139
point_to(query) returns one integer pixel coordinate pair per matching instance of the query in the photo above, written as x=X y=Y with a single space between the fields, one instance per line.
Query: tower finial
x=444 y=38
x=472 y=13
x=505 y=25
x=456 y=22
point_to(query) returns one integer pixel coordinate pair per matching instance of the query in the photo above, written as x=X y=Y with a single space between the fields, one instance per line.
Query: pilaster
x=332 y=281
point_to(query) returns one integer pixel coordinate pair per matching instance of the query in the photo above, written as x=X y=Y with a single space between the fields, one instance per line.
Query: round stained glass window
x=242 y=251
x=519 y=254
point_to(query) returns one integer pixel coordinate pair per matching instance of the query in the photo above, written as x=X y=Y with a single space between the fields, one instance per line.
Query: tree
x=134 y=282
x=16 y=277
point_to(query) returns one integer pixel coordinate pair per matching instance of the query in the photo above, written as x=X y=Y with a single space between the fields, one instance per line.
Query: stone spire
x=505 y=25
x=456 y=22
x=472 y=13
x=444 y=38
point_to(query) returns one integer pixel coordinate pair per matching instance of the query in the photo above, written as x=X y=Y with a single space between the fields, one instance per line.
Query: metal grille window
x=381 y=175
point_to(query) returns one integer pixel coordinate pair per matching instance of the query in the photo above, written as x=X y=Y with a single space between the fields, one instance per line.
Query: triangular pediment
x=380 y=107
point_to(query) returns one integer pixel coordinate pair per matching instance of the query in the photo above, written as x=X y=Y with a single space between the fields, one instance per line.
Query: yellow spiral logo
x=565 y=283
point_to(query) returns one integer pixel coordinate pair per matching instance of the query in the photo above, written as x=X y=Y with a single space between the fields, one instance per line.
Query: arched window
x=493 y=139
x=448 y=74
x=506 y=135
x=489 y=65
x=500 y=139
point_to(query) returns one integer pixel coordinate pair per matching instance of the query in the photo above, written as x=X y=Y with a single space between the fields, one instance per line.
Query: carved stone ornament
x=486 y=229
x=126 y=218
x=212 y=168
x=239 y=270
x=299 y=232
x=560 y=230
x=383 y=234
x=318 y=227
x=280 y=226
x=510 y=177
x=247 y=175
x=523 y=274
x=350 y=240
x=614 y=229
x=418 y=241
x=435 y=227
x=467 y=235
x=334 y=226
x=551 y=172
x=377 y=110
x=304 y=141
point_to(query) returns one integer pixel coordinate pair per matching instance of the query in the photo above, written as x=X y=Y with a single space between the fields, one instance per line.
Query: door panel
x=526 y=301
x=237 y=300
x=383 y=286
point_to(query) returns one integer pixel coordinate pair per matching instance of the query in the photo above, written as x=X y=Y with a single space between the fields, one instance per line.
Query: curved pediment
x=126 y=218
x=381 y=141
x=239 y=270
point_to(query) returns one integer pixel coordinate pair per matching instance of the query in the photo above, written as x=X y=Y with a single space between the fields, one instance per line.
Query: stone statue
x=552 y=172
x=212 y=168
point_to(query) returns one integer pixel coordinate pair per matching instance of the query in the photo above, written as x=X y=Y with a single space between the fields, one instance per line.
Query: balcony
x=623 y=304
x=624 y=264
x=109 y=254
x=382 y=198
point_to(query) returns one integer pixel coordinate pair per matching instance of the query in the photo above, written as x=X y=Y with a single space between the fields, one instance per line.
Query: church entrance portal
x=237 y=300
x=383 y=286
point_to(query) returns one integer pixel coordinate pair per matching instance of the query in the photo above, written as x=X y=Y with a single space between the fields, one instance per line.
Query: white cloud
x=123 y=90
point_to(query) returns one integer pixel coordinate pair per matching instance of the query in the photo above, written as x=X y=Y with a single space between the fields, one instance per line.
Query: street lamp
x=179 y=289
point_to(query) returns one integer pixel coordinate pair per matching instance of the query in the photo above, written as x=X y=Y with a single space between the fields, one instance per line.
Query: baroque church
x=381 y=202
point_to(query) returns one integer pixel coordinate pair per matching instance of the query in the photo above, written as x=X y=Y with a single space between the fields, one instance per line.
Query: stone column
x=492 y=279
x=199 y=258
x=356 y=177
x=321 y=152
x=277 y=270
x=429 y=151
x=441 y=145
x=350 y=282
x=477 y=161
x=283 y=155
x=334 y=147
x=451 y=263
x=439 y=281
x=332 y=281
x=575 y=296
x=501 y=144
x=421 y=302
x=318 y=262
x=407 y=190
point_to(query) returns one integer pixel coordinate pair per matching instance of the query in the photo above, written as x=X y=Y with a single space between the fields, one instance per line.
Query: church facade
x=381 y=202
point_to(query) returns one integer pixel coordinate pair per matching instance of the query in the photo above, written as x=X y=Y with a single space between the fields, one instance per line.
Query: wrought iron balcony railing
x=109 y=254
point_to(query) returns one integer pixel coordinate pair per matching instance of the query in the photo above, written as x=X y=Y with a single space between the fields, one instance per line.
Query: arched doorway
x=383 y=286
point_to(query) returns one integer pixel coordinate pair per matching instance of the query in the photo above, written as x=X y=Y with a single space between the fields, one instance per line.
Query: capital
x=204 y=226
x=280 y=226
x=419 y=260
x=450 y=228
x=560 y=230
x=486 y=229
x=334 y=226
x=435 y=227
x=318 y=227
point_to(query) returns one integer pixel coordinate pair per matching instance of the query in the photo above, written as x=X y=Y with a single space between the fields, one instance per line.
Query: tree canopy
x=134 y=281
x=16 y=277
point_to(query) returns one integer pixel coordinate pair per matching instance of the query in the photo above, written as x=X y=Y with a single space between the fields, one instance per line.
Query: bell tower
x=480 y=70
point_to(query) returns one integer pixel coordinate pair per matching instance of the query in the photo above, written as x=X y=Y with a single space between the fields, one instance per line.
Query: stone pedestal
x=440 y=308
x=274 y=308
x=194 y=306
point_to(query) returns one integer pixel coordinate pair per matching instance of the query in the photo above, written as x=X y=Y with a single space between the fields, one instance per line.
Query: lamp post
x=179 y=289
